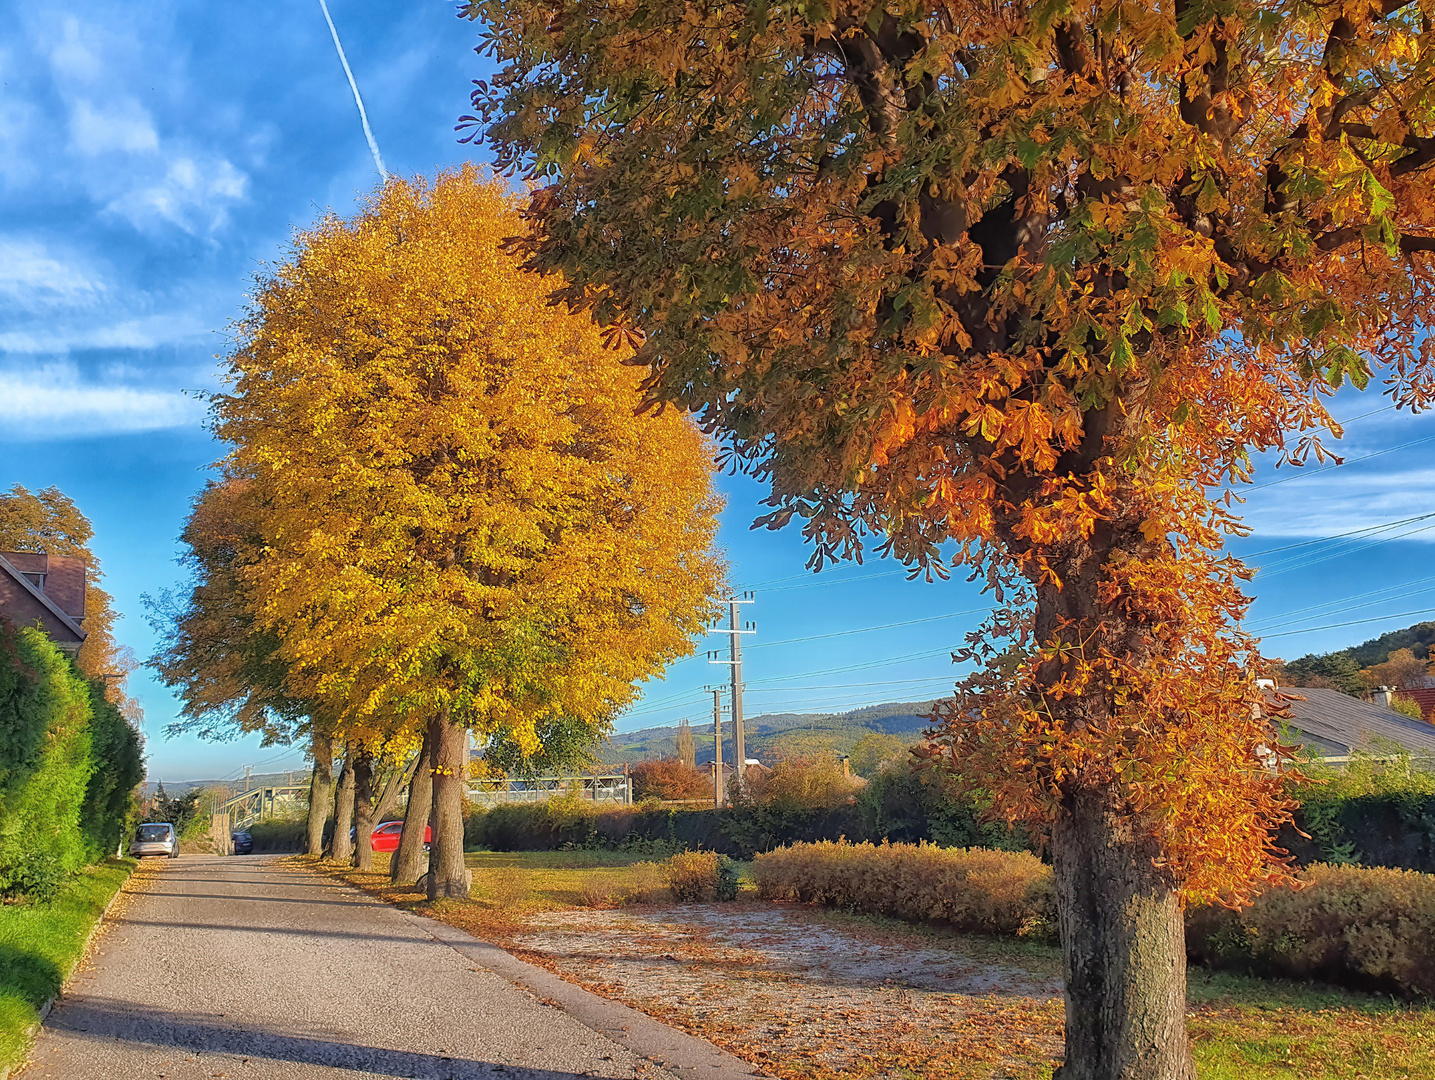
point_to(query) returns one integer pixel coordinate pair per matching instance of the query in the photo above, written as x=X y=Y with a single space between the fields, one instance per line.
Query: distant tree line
x=1399 y=660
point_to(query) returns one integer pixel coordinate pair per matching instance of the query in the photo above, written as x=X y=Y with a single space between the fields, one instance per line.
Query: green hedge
x=899 y=804
x=1367 y=927
x=69 y=763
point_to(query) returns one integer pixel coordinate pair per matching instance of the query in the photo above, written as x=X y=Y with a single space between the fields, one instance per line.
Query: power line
x=870 y=629
x=1353 y=622
x=1339 y=605
x=1338 y=536
x=1341 y=464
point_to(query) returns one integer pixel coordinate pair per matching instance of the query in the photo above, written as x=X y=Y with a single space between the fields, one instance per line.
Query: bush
x=645 y=883
x=909 y=803
x=279 y=834
x=699 y=877
x=36 y=879
x=670 y=780
x=797 y=784
x=1379 y=810
x=1370 y=928
x=991 y=892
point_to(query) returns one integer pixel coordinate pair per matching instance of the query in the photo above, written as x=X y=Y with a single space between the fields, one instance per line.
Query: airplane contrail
x=359 y=101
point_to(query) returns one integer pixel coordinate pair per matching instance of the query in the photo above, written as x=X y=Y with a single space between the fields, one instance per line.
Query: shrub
x=797 y=784
x=644 y=883
x=698 y=877
x=911 y=802
x=669 y=779
x=279 y=834
x=1371 y=928
x=37 y=879
x=992 y=892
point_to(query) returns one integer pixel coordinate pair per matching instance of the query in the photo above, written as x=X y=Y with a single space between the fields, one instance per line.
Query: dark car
x=242 y=841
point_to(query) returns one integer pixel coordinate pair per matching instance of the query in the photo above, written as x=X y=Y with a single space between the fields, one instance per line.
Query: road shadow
x=291 y=931
x=98 y=1020
x=258 y=899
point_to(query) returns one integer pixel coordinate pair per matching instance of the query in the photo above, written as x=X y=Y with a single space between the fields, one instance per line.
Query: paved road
x=238 y=968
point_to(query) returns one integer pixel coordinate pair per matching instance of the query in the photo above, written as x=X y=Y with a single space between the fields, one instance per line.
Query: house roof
x=23 y=603
x=1336 y=723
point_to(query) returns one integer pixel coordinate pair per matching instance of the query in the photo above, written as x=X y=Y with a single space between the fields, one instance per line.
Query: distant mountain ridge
x=1417 y=638
x=843 y=730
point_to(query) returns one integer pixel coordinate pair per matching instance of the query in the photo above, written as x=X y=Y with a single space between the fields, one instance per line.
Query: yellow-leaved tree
x=465 y=521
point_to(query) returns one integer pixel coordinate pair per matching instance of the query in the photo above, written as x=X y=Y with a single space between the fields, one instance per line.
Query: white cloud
x=124 y=125
x=193 y=194
x=33 y=278
x=141 y=332
x=53 y=402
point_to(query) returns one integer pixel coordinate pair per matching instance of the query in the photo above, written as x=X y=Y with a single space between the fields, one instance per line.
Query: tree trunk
x=341 y=847
x=389 y=796
x=321 y=788
x=1119 y=915
x=1124 y=950
x=409 y=861
x=447 y=874
x=363 y=809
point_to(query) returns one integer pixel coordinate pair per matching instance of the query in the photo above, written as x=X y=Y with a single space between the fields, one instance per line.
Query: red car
x=386 y=836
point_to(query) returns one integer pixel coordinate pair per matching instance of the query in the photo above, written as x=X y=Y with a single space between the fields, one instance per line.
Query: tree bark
x=409 y=861
x=389 y=796
x=321 y=789
x=447 y=875
x=363 y=808
x=1123 y=950
x=1119 y=914
x=341 y=848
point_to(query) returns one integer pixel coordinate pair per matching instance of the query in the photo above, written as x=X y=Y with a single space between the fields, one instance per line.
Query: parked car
x=155 y=838
x=386 y=837
x=242 y=841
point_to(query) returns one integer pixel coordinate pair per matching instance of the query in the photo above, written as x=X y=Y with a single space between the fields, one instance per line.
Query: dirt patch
x=804 y=997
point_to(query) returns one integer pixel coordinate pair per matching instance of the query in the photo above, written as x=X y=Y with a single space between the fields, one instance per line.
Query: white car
x=155 y=838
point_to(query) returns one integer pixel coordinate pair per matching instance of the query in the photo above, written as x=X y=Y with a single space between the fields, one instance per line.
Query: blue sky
x=154 y=155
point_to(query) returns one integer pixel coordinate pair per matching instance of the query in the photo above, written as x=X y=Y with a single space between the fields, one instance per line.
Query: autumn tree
x=687 y=750
x=1401 y=670
x=669 y=779
x=224 y=666
x=49 y=522
x=1024 y=282
x=465 y=522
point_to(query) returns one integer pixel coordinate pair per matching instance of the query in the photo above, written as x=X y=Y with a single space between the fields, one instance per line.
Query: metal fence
x=616 y=789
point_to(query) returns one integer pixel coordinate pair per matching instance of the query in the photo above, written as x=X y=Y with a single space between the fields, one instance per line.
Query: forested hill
x=776 y=732
x=1418 y=639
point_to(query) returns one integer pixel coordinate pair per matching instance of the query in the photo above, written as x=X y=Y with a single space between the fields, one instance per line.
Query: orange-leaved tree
x=466 y=523
x=49 y=522
x=1022 y=281
x=224 y=665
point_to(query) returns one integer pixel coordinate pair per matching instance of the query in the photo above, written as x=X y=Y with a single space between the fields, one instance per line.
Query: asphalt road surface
x=236 y=967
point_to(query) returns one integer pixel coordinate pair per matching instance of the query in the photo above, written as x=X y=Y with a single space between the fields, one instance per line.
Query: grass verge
x=41 y=944
x=1241 y=1028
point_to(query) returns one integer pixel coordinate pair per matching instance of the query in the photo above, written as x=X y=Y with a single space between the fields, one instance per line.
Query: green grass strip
x=40 y=945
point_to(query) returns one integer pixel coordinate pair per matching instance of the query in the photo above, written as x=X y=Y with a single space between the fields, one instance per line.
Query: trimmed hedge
x=974 y=889
x=1370 y=928
x=69 y=763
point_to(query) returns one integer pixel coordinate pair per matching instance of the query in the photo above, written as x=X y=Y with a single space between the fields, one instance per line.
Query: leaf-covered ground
x=816 y=995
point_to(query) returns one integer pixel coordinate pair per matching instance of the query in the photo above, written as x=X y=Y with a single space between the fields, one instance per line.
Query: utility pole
x=717 y=740
x=734 y=631
x=247 y=770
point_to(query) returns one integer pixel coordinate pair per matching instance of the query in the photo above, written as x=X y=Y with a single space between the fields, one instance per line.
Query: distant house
x=48 y=590
x=1424 y=697
x=1332 y=724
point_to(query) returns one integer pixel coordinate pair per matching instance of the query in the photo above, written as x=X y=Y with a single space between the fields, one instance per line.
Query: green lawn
x=40 y=945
